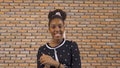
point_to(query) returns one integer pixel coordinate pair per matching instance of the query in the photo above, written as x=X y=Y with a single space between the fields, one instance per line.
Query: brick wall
x=93 y=24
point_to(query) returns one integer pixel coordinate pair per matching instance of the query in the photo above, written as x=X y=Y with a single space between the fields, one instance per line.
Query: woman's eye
x=60 y=26
x=53 y=27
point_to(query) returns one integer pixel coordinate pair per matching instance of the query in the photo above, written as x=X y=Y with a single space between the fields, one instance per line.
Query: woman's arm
x=39 y=65
x=47 y=66
x=48 y=60
x=76 y=62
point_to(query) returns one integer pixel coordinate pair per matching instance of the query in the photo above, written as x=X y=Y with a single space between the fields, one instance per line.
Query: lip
x=57 y=34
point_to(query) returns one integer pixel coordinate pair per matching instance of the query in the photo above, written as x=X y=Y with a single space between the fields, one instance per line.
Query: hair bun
x=53 y=13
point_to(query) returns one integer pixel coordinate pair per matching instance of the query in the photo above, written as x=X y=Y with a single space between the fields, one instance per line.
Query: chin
x=57 y=38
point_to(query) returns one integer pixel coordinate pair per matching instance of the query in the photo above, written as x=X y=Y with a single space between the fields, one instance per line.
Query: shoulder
x=71 y=42
x=41 y=47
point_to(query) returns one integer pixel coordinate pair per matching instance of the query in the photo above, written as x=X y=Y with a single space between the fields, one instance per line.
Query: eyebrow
x=57 y=24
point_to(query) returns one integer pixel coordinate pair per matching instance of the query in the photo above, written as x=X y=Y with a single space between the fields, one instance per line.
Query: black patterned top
x=66 y=53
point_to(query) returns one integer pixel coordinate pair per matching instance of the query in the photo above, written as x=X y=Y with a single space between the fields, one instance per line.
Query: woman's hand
x=47 y=66
x=49 y=61
x=46 y=59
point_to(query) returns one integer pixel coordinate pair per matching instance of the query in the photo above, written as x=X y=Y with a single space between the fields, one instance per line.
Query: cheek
x=51 y=30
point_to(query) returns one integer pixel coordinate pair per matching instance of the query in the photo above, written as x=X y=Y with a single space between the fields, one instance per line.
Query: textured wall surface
x=93 y=24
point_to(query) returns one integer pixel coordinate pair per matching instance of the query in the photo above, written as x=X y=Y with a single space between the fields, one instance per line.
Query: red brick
x=94 y=25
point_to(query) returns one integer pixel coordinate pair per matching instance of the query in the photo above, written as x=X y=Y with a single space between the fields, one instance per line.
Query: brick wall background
x=93 y=24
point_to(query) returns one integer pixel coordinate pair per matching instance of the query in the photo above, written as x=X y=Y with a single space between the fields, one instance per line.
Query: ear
x=49 y=30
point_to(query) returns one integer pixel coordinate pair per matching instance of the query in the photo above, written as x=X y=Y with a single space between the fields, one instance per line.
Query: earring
x=64 y=35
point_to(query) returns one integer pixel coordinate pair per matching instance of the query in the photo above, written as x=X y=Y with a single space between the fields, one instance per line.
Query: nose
x=57 y=28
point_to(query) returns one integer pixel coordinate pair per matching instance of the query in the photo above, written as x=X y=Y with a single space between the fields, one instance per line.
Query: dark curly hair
x=58 y=13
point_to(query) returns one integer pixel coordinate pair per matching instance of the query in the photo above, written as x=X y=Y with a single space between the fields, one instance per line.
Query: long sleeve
x=39 y=65
x=76 y=62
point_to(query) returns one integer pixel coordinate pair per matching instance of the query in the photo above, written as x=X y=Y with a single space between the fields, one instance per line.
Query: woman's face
x=56 y=28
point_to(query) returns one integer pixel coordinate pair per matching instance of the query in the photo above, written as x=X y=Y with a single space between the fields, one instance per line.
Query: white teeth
x=57 y=34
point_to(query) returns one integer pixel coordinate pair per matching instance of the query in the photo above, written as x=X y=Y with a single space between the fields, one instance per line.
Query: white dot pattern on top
x=60 y=55
x=63 y=50
x=67 y=53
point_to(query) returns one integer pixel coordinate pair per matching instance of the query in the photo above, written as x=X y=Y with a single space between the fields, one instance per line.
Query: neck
x=55 y=42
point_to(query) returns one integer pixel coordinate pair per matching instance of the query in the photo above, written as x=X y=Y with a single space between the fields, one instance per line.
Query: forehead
x=56 y=21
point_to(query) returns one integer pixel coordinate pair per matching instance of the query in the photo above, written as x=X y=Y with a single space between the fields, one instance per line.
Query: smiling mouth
x=58 y=34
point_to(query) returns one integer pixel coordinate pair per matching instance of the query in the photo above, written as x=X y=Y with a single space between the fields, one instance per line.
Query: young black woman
x=59 y=52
